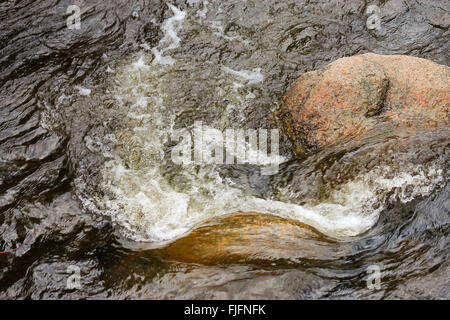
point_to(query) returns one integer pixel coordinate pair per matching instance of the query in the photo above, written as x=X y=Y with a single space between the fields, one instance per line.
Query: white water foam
x=170 y=40
x=251 y=77
x=150 y=207
x=153 y=203
x=83 y=91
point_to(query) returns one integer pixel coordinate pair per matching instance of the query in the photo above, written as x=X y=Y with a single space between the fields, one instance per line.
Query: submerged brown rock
x=353 y=95
x=244 y=237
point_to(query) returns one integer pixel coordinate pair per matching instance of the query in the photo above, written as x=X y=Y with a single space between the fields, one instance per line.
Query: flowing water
x=91 y=118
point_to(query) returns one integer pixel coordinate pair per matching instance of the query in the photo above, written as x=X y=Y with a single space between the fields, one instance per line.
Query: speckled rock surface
x=352 y=95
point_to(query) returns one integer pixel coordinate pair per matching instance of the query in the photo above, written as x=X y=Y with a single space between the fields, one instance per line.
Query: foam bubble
x=251 y=76
x=83 y=91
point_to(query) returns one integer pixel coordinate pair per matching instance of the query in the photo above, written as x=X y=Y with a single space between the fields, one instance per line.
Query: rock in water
x=353 y=95
x=245 y=237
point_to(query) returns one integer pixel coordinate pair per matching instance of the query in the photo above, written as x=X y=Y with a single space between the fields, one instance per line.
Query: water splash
x=153 y=200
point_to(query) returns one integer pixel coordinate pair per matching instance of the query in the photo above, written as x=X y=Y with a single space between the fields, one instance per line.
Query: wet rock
x=246 y=237
x=353 y=95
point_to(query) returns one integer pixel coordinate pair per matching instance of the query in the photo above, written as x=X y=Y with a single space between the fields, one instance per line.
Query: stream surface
x=89 y=120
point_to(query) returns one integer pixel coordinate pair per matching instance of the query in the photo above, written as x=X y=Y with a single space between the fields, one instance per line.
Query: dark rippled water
x=58 y=102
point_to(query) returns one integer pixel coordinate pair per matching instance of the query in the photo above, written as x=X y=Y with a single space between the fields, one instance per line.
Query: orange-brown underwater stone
x=243 y=237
